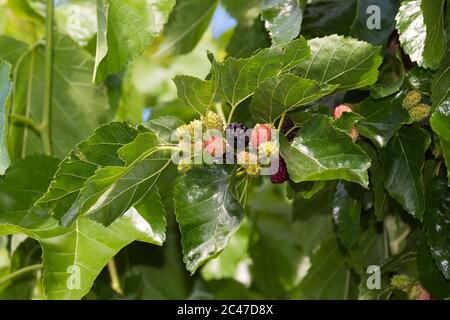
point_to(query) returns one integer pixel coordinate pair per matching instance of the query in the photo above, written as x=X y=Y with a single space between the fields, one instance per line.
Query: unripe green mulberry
x=183 y=132
x=266 y=151
x=196 y=126
x=412 y=98
x=184 y=165
x=213 y=121
x=253 y=170
x=420 y=112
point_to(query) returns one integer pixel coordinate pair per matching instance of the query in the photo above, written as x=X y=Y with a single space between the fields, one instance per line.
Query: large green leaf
x=73 y=257
x=351 y=18
x=283 y=19
x=347 y=62
x=322 y=152
x=402 y=161
x=277 y=95
x=125 y=30
x=98 y=150
x=421 y=27
x=382 y=118
x=78 y=106
x=113 y=190
x=238 y=79
x=5 y=90
x=187 y=23
x=207 y=212
x=437 y=220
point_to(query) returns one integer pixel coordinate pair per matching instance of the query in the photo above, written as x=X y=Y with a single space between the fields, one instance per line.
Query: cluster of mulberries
x=237 y=138
x=417 y=110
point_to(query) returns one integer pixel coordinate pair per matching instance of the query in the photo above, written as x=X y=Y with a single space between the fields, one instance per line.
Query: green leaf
x=441 y=83
x=5 y=90
x=282 y=94
x=328 y=277
x=198 y=94
x=73 y=257
x=346 y=212
x=113 y=190
x=125 y=30
x=78 y=106
x=440 y=122
x=346 y=62
x=187 y=23
x=351 y=18
x=98 y=150
x=207 y=212
x=390 y=80
x=322 y=152
x=238 y=78
x=421 y=28
x=402 y=161
x=283 y=19
x=437 y=222
x=382 y=118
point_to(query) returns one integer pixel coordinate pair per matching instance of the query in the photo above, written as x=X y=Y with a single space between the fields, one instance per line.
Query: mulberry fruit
x=212 y=121
x=339 y=110
x=215 y=146
x=287 y=129
x=412 y=99
x=236 y=134
x=282 y=174
x=420 y=112
x=260 y=133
